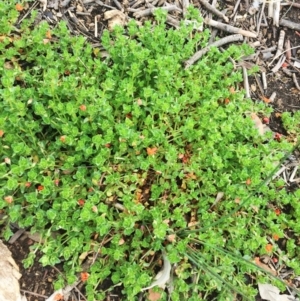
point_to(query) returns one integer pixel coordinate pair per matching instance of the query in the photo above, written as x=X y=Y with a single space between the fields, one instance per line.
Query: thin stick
x=96 y=27
x=214 y=10
x=150 y=11
x=185 y=5
x=291 y=4
x=270 y=9
x=280 y=43
x=282 y=53
x=200 y=53
x=118 y=5
x=287 y=46
x=235 y=8
x=279 y=64
x=276 y=13
x=33 y=294
x=296 y=82
x=260 y=17
x=230 y=28
x=289 y=24
x=246 y=82
x=35 y=4
x=264 y=80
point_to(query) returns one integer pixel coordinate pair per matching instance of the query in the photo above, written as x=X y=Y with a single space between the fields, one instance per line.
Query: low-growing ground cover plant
x=121 y=154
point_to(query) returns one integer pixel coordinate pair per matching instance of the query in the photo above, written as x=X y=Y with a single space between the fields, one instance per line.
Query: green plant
x=124 y=156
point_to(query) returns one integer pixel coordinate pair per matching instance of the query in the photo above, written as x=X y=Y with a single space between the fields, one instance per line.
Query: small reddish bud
x=266 y=120
x=27 y=184
x=94 y=209
x=82 y=107
x=84 y=276
x=275 y=260
x=277 y=211
x=277 y=137
x=62 y=139
x=40 y=188
x=1 y=133
x=269 y=248
x=107 y=145
x=248 y=181
x=81 y=202
x=56 y=182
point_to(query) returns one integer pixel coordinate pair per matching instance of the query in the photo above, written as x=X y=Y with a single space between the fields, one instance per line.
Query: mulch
x=90 y=17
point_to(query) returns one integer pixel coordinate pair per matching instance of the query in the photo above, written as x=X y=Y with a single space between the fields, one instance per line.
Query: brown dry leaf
x=121 y=242
x=265 y=99
x=115 y=17
x=262 y=128
x=264 y=266
x=138 y=195
x=153 y=296
x=151 y=151
x=48 y=34
x=171 y=238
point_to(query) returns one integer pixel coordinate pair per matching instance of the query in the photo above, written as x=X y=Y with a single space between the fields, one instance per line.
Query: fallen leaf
x=58 y=297
x=171 y=238
x=271 y=293
x=265 y=99
x=264 y=266
x=232 y=90
x=262 y=128
x=154 y=296
x=8 y=199
x=48 y=34
x=151 y=151
x=162 y=277
x=115 y=17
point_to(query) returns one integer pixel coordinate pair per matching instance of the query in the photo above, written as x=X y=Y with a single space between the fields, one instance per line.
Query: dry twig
x=200 y=53
x=230 y=28
x=214 y=10
x=289 y=24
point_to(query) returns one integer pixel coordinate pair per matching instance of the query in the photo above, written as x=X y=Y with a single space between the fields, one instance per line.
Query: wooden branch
x=289 y=24
x=200 y=53
x=150 y=11
x=280 y=43
x=246 y=82
x=214 y=10
x=230 y=28
x=296 y=82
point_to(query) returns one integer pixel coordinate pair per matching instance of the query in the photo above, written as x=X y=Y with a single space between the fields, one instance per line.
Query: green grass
x=85 y=137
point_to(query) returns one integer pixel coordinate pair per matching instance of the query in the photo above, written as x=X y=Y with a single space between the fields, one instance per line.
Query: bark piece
x=9 y=276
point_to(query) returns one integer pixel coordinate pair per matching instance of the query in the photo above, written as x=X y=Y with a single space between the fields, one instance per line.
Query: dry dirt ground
x=37 y=281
